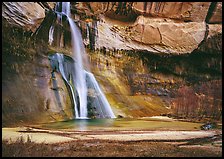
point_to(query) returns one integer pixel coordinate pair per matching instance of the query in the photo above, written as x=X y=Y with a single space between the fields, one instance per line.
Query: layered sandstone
x=160 y=27
x=26 y=15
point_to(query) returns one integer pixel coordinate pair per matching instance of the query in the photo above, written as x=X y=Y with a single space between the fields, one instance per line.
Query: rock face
x=155 y=26
x=31 y=93
x=160 y=27
x=163 y=34
x=154 y=35
x=139 y=84
x=213 y=41
x=184 y=11
x=216 y=13
x=26 y=15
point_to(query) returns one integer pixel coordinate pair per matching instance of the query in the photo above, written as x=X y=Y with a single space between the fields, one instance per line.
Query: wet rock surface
x=178 y=81
x=29 y=90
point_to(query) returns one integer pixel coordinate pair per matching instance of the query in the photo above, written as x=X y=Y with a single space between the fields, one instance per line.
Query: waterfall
x=59 y=64
x=51 y=35
x=66 y=8
x=58 y=9
x=77 y=50
x=78 y=76
x=60 y=58
x=80 y=82
x=100 y=100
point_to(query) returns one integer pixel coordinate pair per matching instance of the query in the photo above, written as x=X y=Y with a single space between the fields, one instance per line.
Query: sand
x=57 y=136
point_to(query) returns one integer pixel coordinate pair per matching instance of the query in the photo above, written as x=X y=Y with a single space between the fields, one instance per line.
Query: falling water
x=100 y=100
x=77 y=50
x=79 y=75
x=51 y=34
x=58 y=9
x=66 y=8
x=61 y=69
x=60 y=65
x=80 y=83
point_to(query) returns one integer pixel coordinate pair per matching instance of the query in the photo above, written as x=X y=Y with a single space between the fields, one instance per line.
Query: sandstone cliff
x=159 y=27
x=124 y=34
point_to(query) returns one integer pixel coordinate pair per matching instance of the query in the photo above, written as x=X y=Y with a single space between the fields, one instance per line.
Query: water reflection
x=123 y=124
x=82 y=124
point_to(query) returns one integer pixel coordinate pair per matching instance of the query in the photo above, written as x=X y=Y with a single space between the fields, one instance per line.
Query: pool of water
x=123 y=124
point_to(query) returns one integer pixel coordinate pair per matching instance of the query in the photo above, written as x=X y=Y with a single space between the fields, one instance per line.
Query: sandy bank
x=53 y=136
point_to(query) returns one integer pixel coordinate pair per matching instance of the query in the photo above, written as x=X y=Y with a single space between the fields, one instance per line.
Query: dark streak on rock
x=205 y=36
x=161 y=38
x=210 y=11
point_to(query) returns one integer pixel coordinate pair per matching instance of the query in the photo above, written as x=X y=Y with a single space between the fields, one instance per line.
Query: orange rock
x=217 y=14
x=185 y=11
x=27 y=15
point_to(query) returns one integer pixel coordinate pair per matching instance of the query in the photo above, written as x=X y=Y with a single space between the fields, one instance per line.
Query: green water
x=122 y=124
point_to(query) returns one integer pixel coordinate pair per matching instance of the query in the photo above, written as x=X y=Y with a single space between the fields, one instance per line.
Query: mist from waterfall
x=79 y=75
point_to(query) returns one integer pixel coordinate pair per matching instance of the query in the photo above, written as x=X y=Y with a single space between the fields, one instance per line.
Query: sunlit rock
x=26 y=15
x=184 y=11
